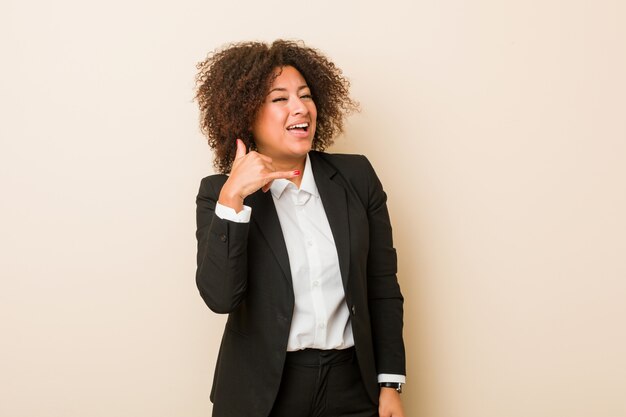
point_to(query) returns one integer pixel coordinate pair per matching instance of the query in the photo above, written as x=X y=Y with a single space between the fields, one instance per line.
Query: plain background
x=497 y=127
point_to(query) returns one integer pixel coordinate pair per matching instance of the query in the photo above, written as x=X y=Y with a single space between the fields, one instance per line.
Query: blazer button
x=223 y=238
x=353 y=310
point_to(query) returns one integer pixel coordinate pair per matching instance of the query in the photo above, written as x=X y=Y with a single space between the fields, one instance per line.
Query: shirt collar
x=307 y=184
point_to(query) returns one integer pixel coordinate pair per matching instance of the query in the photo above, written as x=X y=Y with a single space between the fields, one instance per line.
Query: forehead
x=287 y=75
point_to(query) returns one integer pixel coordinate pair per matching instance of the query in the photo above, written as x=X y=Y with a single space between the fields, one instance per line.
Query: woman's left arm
x=384 y=295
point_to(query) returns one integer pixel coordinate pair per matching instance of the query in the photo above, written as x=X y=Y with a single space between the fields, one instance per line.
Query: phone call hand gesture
x=251 y=171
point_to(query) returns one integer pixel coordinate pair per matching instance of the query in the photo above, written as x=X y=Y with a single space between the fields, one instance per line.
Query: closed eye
x=277 y=99
x=307 y=96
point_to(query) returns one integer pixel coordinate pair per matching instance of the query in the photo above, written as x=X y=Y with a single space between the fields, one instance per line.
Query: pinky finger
x=283 y=174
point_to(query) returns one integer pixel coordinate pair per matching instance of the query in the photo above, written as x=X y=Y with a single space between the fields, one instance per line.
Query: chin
x=305 y=150
x=302 y=148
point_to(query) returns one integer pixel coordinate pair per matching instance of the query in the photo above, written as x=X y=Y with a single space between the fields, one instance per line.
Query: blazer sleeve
x=221 y=274
x=384 y=296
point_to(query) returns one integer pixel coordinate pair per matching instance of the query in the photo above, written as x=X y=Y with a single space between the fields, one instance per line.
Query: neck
x=289 y=165
x=292 y=166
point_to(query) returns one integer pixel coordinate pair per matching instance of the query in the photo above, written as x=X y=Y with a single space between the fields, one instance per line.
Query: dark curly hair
x=233 y=82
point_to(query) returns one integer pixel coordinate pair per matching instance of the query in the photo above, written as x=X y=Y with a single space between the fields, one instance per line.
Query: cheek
x=313 y=111
x=266 y=122
x=275 y=118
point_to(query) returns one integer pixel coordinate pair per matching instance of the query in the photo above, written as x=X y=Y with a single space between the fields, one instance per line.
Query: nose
x=298 y=107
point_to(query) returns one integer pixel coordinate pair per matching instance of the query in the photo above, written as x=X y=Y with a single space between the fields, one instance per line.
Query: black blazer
x=243 y=270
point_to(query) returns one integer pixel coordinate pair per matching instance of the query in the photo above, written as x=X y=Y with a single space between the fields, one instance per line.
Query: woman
x=295 y=244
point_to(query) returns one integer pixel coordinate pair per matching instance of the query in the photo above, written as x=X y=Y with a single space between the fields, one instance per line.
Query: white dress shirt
x=321 y=319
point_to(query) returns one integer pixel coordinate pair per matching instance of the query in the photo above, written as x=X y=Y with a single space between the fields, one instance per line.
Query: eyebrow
x=302 y=87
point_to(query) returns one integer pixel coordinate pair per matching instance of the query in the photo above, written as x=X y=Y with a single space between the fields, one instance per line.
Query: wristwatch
x=395 y=385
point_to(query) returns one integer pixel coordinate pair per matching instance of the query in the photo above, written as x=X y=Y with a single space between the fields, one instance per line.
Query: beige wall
x=498 y=129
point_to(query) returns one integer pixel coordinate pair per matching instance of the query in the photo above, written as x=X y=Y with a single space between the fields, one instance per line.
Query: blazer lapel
x=265 y=216
x=335 y=203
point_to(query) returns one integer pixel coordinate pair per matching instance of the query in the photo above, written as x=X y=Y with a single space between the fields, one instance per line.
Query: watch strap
x=395 y=385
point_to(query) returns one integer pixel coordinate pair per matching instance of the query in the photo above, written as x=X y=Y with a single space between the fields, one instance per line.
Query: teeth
x=300 y=125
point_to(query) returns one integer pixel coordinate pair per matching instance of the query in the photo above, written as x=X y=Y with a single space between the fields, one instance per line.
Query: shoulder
x=348 y=165
x=210 y=186
x=353 y=167
x=355 y=172
x=341 y=160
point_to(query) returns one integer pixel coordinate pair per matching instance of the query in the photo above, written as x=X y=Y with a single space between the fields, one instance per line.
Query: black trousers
x=322 y=383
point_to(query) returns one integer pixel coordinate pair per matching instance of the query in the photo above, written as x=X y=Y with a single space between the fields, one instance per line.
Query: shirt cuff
x=227 y=213
x=391 y=378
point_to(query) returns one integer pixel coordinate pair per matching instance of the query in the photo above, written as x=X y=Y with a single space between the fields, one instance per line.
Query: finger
x=241 y=149
x=282 y=174
x=260 y=156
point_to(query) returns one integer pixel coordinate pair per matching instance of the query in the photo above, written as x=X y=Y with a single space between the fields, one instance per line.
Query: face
x=285 y=124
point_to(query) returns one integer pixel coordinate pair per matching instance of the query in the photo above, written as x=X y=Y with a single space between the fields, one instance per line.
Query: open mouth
x=303 y=127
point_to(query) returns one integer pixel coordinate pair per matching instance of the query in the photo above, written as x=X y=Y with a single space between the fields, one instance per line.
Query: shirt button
x=223 y=238
x=353 y=310
x=316 y=283
x=309 y=243
x=322 y=325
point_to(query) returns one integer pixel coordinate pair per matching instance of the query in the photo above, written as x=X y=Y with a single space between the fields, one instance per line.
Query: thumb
x=241 y=149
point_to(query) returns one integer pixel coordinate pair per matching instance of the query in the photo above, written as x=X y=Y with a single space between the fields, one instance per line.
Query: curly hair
x=232 y=84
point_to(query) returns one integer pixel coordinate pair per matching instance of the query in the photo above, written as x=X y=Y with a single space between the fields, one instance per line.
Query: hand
x=251 y=171
x=389 y=403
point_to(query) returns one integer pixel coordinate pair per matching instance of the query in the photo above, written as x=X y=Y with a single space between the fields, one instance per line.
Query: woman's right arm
x=221 y=275
x=222 y=244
